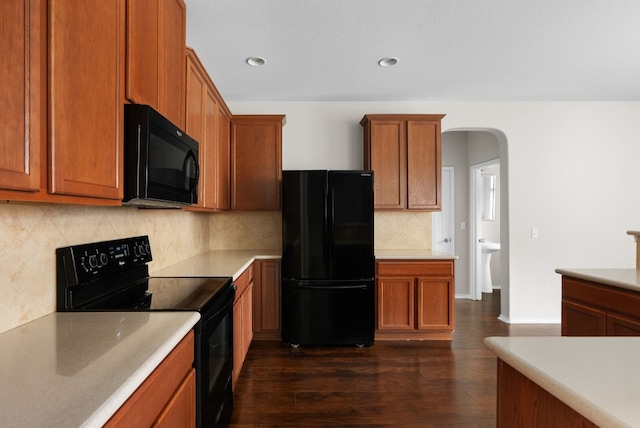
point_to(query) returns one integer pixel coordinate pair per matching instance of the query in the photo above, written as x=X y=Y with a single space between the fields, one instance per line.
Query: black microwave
x=160 y=161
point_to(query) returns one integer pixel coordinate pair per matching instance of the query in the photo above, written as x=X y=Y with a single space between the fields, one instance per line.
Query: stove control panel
x=79 y=264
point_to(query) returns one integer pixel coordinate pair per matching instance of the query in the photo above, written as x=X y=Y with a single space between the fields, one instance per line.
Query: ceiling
x=448 y=50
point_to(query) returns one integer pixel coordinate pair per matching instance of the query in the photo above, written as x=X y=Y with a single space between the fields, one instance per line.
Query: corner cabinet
x=593 y=309
x=404 y=151
x=167 y=398
x=415 y=299
x=256 y=162
x=208 y=122
x=266 y=300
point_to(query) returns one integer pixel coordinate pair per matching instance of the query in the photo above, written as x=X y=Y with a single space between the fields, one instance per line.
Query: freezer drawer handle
x=332 y=287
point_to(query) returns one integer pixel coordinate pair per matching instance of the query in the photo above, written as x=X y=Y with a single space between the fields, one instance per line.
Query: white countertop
x=217 y=263
x=623 y=278
x=413 y=255
x=596 y=376
x=234 y=262
x=75 y=369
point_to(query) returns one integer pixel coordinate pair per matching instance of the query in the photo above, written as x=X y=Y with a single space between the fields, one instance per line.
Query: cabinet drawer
x=415 y=268
x=620 y=301
x=243 y=281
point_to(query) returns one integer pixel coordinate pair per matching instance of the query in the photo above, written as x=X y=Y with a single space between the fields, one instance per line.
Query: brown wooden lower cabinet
x=522 y=403
x=266 y=300
x=415 y=299
x=593 y=309
x=167 y=398
x=242 y=320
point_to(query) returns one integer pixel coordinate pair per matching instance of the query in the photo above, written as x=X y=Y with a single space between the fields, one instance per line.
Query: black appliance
x=160 y=161
x=114 y=276
x=328 y=261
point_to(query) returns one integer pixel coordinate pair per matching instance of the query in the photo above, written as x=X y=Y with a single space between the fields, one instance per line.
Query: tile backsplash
x=403 y=230
x=30 y=233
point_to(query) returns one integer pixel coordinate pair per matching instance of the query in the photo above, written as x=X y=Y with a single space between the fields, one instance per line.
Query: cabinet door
x=195 y=121
x=22 y=93
x=172 y=33
x=223 y=198
x=618 y=325
x=256 y=162
x=86 y=72
x=387 y=158
x=142 y=53
x=581 y=320
x=424 y=165
x=266 y=300
x=435 y=304
x=242 y=330
x=180 y=411
x=247 y=321
x=396 y=303
x=195 y=100
x=209 y=154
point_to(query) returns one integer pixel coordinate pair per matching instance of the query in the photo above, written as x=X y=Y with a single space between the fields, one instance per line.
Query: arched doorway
x=461 y=148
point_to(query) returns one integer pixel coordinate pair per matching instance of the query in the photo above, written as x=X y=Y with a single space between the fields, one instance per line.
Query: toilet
x=487 y=248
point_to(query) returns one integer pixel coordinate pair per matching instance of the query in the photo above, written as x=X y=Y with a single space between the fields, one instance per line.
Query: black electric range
x=114 y=276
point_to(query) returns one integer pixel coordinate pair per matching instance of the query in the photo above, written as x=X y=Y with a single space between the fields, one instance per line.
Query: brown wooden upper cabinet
x=404 y=151
x=256 y=161
x=85 y=71
x=208 y=122
x=61 y=101
x=156 y=34
x=63 y=91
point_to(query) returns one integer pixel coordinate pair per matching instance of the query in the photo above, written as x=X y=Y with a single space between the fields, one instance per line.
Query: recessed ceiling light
x=256 y=61
x=387 y=62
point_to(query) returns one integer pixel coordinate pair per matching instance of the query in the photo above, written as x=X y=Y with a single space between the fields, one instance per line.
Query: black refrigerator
x=328 y=264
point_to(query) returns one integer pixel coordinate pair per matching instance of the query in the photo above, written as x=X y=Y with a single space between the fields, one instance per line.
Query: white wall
x=572 y=174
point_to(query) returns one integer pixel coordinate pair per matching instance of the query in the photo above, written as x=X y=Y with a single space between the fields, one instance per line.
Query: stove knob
x=104 y=259
x=93 y=261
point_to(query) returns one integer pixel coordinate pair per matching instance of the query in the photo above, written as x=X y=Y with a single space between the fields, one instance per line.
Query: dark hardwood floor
x=390 y=384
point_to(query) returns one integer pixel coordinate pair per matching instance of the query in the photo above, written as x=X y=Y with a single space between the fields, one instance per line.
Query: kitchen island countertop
x=72 y=369
x=622 y=278
x=595 y=376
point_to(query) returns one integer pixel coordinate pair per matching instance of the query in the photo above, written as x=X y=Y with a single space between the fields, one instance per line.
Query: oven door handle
x=220 y=313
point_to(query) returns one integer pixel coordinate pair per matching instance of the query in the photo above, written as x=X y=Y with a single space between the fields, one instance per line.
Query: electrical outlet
x=534 y=233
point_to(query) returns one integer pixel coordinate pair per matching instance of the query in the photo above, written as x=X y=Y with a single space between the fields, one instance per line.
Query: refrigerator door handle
x=331 y=234
x=328 y=210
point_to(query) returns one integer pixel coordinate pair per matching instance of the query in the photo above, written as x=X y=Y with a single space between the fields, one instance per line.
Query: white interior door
x=442 y=222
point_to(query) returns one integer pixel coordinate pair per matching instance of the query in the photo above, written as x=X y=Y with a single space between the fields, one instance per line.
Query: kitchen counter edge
x=572 y=370
x=75 y=371
x=622 y=278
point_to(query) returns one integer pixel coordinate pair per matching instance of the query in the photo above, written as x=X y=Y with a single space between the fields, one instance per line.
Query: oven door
x=216 y=364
